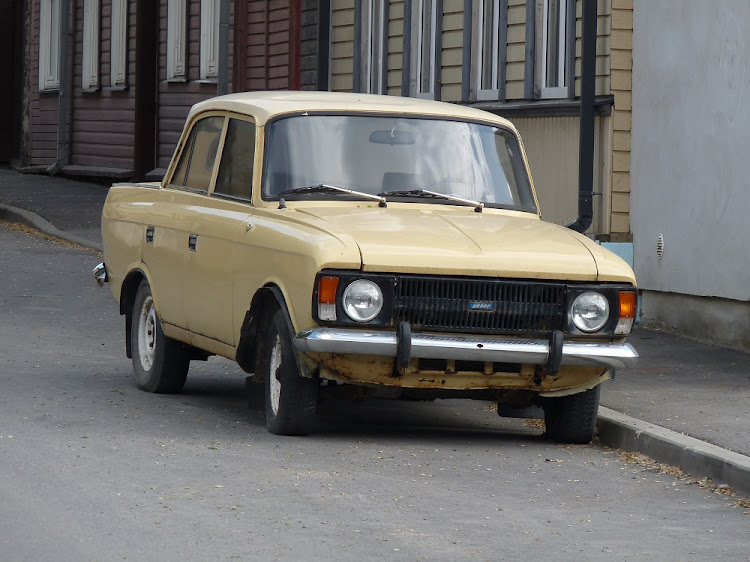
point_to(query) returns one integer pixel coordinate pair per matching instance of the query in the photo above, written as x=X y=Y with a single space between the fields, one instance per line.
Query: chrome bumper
x=100 y=274
x=466 y=348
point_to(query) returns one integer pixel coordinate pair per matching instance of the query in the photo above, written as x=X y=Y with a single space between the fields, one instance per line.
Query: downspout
x=586 y=146
x=64 y=105
x=222 y=80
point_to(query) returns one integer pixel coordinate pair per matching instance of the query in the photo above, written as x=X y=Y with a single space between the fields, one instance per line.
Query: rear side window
x=236 y=169
x=199 y=155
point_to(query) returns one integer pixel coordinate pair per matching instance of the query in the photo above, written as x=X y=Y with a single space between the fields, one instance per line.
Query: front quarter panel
x=281 y=250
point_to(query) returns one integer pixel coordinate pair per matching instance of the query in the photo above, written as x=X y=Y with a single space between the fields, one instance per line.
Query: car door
x=222 y=220
x=168 y=233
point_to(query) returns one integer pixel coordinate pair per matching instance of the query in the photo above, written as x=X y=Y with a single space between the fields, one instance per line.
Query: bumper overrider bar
x=404 y=345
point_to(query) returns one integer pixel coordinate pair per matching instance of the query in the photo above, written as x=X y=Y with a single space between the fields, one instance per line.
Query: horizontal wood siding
x=342 y=46
x=309 y=45
x=395 y=47
x=103 y=121
x=603 y=38
x=267 y=55
x=175 y=98
x=453 y=42
x=622 y=68
x=515 y=65
x=43 y=126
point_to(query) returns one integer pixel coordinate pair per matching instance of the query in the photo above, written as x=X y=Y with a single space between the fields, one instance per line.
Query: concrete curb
x=33 y=220
x=664 y=445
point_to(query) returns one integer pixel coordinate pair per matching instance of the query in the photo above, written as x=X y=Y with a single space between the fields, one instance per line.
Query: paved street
x=92 y=468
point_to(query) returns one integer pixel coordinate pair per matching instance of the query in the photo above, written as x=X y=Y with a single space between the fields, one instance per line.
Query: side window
x=236 y=168
x=198 y=157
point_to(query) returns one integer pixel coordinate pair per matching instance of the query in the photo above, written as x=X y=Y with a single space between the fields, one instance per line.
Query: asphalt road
x=93 y=469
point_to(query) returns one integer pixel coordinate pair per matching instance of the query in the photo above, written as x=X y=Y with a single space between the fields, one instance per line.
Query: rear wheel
x=290 y=399
x=572 y=419
x=160 y=364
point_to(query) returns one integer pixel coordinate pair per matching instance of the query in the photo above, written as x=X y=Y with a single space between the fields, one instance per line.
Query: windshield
x=397 y=157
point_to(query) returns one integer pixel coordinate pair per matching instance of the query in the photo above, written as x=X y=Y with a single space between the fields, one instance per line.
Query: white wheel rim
x=147 y=334
x=274 y=384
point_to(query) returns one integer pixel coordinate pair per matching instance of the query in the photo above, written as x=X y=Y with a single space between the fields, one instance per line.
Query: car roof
x=266 y=105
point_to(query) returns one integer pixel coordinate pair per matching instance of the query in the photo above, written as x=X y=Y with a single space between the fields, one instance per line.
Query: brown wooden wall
x=271 y=54
x=104 y=120
x=175 y=98
x=266 y=42
x=43 y=130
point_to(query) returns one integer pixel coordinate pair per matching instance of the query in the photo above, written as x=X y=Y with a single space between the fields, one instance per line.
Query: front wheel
x=160 y=364
x=572 y=419
x=290 y=399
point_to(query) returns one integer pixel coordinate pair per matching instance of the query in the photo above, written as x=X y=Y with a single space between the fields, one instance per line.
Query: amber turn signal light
x=627 y=304
x=327 y=290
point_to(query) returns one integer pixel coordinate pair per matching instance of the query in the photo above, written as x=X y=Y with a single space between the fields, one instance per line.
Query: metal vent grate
x=660 y=245
x=480 y=306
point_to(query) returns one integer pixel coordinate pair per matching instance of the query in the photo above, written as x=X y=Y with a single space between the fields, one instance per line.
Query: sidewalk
x=684 y=388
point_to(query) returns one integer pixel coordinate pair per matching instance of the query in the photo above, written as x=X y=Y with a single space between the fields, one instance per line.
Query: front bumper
x=467 y=348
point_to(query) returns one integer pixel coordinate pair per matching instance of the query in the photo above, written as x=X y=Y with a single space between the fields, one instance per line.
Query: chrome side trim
x=465 y=348
x=100 y=274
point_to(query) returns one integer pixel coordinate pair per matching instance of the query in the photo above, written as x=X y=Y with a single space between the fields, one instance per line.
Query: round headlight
x=362 y=300
x=590 y=311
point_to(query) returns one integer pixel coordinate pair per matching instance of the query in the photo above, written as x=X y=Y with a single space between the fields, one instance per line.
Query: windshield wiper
x=478 y=205
x=322 y=187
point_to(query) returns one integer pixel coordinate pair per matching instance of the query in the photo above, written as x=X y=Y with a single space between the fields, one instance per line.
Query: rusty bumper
x=466 y=348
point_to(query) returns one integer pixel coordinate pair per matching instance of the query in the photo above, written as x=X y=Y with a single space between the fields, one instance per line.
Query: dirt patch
x=20 y=227
x=705 y=484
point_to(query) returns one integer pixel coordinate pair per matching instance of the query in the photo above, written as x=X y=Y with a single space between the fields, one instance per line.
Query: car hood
x=457 y=241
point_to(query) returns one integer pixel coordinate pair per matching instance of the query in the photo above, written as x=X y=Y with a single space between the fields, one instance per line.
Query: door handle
x=149 y=235
x=193 y=242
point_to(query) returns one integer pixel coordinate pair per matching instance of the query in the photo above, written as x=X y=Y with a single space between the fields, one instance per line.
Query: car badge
x=482 y=306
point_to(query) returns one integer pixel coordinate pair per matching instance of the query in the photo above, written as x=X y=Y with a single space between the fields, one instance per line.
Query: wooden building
x=111 y=81
x=136 y=67
x=517 y=58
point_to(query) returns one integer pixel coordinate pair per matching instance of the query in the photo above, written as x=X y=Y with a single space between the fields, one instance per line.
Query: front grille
x=480 y=306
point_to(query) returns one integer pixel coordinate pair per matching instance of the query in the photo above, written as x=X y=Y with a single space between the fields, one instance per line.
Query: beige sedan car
x=345 y=239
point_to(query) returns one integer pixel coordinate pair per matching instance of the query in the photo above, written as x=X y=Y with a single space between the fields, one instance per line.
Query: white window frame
x=90 y=47
x=477 y=58
x=209 y=40
x=118 y=44
x=560 y=90
x=176 y=39
x=374 y=51
x=49 y=45
x=417 y=30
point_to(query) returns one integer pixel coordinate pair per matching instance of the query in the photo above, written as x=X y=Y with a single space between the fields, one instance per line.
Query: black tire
x=572 y=419
x=160 y=364
x=291 y=400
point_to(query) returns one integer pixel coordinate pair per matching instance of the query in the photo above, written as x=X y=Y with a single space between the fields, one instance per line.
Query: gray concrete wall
x=706 y=319
x=690 y=175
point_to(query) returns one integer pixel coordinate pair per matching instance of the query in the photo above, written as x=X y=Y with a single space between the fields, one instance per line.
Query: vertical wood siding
x=43 y=127
x=102 y=129
x=342 y=46
x=622 y=67
x=552 y=148
x=453 y=43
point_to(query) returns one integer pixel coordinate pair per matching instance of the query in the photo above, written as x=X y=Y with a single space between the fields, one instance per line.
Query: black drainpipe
x=586 y=146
